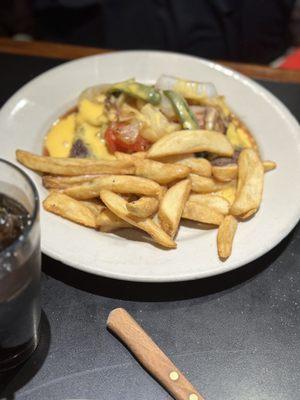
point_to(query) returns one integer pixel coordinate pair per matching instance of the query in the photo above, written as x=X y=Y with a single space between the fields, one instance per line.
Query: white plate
x=28 y=114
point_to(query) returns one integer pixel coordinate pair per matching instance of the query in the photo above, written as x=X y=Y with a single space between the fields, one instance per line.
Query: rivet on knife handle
x=151 y=356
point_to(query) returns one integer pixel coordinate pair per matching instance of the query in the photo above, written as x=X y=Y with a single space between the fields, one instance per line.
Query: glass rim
x=33 y=214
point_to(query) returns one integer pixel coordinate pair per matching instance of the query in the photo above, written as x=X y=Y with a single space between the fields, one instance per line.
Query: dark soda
x=19 y=283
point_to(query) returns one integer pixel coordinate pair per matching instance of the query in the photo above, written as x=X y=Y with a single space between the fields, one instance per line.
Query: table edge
x=71 y=52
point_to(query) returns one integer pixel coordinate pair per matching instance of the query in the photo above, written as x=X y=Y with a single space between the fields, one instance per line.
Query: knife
x=150 y=356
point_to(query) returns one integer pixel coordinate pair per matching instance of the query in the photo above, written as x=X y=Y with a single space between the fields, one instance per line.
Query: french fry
x=248 y=214
x=269 y=165
x=162 y=193
x=160 y=172
x=191 y=141
x=122 y=156
x=172 y=205
x=202 y=184
x=130 y=157
x=200 y=213
x=143 y=207
x=156 y=220
x=229 y=172
x=250 y=184
x=225 y=173
x=228 y=193
x=213 y=201
x=226 y=233
x=176 y=158
x=115 y=183
x=73 y=166
x=95 y=208
x=118 y=206
x=199 y=166
x=107 y=221
x=73 y=210
x=62 y=182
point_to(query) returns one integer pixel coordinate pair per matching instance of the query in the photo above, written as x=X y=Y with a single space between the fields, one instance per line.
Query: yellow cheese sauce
x=92 y=113
x=87 y=123
x=92 y=138
x=237 y=137
x=59 y=139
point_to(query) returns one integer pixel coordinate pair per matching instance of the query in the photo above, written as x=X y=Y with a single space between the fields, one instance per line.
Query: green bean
x=182 y=109
x=139 y=90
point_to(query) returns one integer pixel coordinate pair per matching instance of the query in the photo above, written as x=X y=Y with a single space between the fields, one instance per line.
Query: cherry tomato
x=110 y=139
x=125 y=138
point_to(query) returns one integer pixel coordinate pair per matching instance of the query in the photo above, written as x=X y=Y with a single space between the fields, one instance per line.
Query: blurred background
x=254 y=31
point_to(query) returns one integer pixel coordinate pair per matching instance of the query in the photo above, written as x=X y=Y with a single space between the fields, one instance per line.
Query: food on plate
x=201 y=213
x=182 y=110
x=62 y=182
x=131 y=155
x=60 y=140
x=226 y=233
x=225 y=173
x=118 y=206
x=172 y=205
x=199 y=166
x=107 y=221
x=116 y=183
x=160 y=172
x=73 y=166
x=249 y=184
x=229 y=172
x=228 y=193
x=138 y=90
x=215 y=202
x=96 y=207
x=69 y=208
x=269 y=165
x=203 y=184
x=143 y=207
x=191 y=141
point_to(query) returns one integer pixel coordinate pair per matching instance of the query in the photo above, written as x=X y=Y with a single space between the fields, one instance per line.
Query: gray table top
x=235 y=336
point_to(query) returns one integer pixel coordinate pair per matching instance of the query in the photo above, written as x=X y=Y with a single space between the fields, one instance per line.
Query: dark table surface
x=235 y=336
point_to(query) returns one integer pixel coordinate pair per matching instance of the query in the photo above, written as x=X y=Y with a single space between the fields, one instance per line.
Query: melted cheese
x=91 y=137
x=238 y=137
x=92 y=113
x=79 y=120
x=59 y=139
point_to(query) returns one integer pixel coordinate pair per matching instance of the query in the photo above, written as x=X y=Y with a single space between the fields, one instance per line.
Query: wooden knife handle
x=151 y=356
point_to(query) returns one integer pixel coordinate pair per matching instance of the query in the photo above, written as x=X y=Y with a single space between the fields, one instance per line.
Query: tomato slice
x=110 y=139
x=125 y=138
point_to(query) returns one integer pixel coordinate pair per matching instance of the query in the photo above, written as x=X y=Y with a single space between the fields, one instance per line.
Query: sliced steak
x=222 y=161
x=79 y=149
x=209 y=118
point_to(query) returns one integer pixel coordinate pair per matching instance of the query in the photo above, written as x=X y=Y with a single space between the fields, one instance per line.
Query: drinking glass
x=20 y=270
